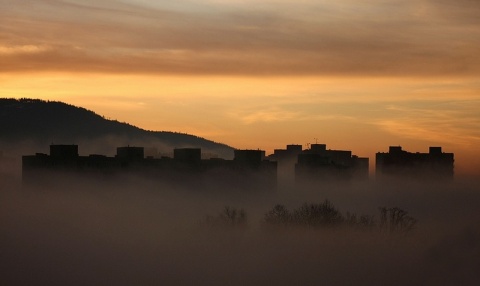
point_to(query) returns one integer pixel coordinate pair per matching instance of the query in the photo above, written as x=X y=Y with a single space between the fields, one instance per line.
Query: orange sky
x=357 y=75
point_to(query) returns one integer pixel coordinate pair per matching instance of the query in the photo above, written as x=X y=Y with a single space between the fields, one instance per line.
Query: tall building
x=421 y=166
x=319 y=164
x=286 y=160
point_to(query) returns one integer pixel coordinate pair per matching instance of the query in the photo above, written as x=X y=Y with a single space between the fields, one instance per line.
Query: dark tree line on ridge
x=44 y=122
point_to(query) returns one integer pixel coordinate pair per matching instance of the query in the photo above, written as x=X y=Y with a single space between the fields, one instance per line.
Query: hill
x=34 y=123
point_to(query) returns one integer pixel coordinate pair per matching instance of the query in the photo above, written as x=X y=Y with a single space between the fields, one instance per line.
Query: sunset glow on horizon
x=355 y=76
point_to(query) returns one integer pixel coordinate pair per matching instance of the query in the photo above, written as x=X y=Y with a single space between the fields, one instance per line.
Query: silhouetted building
x=130 y=153
x=399 y=163
x=319 y=164
x=285 y=154
x=64 y=151
x=188 y=155
x=286 y=160
x=186 y=168
x=64 y=160
x=249 y=157
x=252 y=169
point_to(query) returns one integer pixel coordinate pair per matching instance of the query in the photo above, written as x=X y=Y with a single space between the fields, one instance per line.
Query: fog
x=133 y=231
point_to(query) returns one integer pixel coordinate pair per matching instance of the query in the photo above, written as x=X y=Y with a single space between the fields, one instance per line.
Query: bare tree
x=396 y=220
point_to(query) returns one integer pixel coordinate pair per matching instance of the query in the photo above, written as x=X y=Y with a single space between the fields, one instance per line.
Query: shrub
x=326 y=215
x=323 y=214
x=278 y=215
x=312 y=215
x=229 y=217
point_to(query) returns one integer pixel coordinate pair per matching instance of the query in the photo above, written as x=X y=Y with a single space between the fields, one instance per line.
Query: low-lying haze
x=140 y=232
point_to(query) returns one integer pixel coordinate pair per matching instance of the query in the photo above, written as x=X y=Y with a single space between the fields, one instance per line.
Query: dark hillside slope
x=40 y=123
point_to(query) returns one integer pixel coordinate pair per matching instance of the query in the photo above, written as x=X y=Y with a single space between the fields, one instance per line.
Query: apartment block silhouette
x=248 y=169
x=398 y=163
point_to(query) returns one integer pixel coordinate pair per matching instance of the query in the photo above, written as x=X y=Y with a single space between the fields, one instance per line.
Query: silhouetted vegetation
x=229 y=217
x=363 y=221
x=326 y=215
x=314 y=215
x=396 y=220
x=279 y=215
x=310 y=215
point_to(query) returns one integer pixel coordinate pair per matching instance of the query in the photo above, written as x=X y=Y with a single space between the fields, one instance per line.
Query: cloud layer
x=393 y=38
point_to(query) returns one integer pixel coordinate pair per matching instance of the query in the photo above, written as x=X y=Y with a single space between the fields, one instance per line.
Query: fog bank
x=141 y=233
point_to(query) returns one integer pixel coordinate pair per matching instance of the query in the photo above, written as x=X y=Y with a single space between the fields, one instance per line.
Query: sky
x=355 y=75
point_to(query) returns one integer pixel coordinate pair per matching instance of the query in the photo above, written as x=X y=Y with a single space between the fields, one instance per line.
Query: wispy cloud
x=455 y=123
x=278 y=113
x=271 y=114
x=22 y=49
x=405 y=38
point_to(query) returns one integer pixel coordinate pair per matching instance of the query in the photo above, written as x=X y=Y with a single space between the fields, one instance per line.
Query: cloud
x=454 y=123
x=24 y=49
x=287 y=111
x=269 y=114
x=394 y=38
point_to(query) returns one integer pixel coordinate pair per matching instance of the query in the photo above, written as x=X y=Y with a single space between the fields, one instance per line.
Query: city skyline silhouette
x=249 y=169
x=102 y=136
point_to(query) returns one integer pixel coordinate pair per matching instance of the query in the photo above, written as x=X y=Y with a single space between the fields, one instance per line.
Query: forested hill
x=37 y=122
